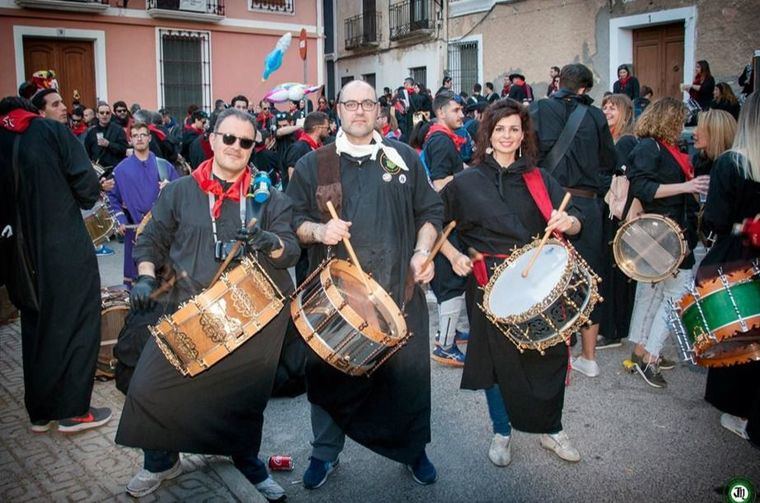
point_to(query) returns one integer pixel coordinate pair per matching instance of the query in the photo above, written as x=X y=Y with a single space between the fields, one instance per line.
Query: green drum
x=717 y=323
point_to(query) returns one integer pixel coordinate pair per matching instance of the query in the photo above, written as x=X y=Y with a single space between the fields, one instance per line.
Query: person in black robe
x=49 y=265
x=393 y=214
x=496 y=211
x=585 y=170
x=219 y=411
x=734 y=195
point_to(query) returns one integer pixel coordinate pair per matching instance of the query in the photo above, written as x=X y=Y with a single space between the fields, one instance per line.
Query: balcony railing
x=274 y=6
x=187 y=10
x=409 y=18
x=363 y=30
x=91 y=6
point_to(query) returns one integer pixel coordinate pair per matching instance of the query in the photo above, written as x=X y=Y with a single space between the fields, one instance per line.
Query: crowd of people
x=398 y=167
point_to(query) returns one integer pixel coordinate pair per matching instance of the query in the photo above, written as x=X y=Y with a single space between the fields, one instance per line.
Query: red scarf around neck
x=160 y=135
x=209 y=185
x=440 y=128
x=624 y=82
x=311 y=142
x=682 y=159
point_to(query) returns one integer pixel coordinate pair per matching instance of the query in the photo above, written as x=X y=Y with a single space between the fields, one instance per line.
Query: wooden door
x=73 y=62
x=658 y=58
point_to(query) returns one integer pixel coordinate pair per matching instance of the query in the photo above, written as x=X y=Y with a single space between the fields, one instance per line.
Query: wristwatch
x=422 y=251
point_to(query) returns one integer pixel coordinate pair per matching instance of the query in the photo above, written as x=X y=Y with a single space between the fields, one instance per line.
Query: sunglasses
x=105 y=113
x=230 y=139
x=121 y=110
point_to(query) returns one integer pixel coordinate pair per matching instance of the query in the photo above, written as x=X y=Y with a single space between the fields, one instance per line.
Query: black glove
x=139 y=297
x=257 y=239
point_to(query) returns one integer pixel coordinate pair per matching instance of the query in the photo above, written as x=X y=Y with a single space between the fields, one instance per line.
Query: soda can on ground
x=280 y=463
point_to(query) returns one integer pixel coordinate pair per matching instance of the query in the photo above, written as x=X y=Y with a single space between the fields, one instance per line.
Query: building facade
x=385 y=41
x=158 y=53
x=661 y=39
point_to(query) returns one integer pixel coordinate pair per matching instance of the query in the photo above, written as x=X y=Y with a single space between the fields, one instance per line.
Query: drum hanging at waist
x=649 y=248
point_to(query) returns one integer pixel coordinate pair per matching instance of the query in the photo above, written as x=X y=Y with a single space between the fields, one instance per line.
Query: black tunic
x=732 y=198
x=116 y=150
x=60 y=341
x=390 y=411
x=495 y=212
x=219 y=411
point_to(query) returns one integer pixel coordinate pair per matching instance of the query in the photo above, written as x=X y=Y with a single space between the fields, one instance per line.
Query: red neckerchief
x=682 y=159
x=193 y=128
x=624 y=82
x=311 y=142
x=79 y=128
x=208 y=185
x=386 y=129
x=160 y=135
x=17 y=120
x=440 y=128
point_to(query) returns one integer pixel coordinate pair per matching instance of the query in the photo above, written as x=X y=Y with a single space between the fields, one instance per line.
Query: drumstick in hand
x=231 y=254
x=533 y=259
x=409 y=286
x=350 y=250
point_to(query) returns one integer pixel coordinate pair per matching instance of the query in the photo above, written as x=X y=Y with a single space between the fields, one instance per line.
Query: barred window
x=274 y=6
x=463 y=65
x=184 y=70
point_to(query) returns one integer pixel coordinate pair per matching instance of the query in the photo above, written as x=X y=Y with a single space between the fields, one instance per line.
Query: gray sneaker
x=145 y=482
x=651 y=374
x=271 y=490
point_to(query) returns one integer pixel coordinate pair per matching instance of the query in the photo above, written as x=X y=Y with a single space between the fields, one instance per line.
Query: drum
x=352 y=331
x=114 y=307
x=99 y=222
x=717 y=323
x=183 y=167
x=649 y=248
x=220 y=319
x=547 y=306
x=99 y=170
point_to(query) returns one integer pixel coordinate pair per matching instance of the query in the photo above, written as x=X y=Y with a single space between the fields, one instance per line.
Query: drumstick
x=231 y=254
x=350 y=250
x=409 y=286
x=562 y=206
x=166 y=286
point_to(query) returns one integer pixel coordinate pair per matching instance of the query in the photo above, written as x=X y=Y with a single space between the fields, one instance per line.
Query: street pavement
x=637 y=444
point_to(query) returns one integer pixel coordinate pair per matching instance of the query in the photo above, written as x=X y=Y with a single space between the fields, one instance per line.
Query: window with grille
x=275 y=6
x=346 y=80
x=369 y=78
x=419 y=74
x=463 y=65
x=184 y=70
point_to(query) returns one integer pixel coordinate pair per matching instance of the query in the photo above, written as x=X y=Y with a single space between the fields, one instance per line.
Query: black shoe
x=666 y=364
x=604 y=343
x=651 y=374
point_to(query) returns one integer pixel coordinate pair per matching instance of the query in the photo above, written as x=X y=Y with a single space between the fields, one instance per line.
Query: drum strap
x=328 y=180
x=538 y=191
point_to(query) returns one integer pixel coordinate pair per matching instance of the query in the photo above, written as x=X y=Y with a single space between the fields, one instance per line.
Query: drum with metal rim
x=220 y=319
x=348 y=328
x=100 y=224
x=649 y=248
x=114 y=308
x=546 y=307
x=717 y=323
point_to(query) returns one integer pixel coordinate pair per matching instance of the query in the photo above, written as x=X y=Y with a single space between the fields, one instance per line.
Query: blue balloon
x=272 y=62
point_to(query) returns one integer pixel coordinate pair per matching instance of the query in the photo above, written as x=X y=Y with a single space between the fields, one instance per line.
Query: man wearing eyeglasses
x=391 y=215
x=138 y=179
x=219 y=411
x=106 y=142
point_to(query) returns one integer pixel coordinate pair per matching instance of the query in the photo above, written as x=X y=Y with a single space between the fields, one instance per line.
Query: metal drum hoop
x=620 y=261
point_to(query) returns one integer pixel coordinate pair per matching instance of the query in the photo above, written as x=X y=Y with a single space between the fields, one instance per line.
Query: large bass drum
x=649 y=248
x=546 y=307
x=349 y=329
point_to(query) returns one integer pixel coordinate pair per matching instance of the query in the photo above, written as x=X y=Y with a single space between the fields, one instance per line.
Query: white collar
x=343 y=146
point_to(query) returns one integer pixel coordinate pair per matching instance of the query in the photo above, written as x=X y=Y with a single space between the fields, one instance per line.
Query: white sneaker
x=145 y=482
x=589 y=368
x=735 y=425
x=500 y=452
x=271 y=490
x=560 y=444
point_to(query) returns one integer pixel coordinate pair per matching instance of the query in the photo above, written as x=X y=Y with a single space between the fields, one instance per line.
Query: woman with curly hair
x=662 y=179
x=495 y=210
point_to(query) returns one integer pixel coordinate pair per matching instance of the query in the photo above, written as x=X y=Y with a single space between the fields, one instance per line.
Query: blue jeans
x=249 y=464
x=498 y=411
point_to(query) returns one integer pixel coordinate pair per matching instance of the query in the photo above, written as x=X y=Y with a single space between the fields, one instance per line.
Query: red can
x=281 y=463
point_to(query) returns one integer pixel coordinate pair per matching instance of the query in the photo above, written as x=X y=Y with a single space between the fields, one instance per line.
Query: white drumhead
x=512 y=294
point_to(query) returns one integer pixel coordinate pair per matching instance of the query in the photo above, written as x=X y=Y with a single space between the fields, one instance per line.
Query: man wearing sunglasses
x=219 y=411
x=391 y=214
x=138 y=179
x=106 y=142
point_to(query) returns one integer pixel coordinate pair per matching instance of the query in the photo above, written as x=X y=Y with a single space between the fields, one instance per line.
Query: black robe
x=61 y=340
x=219 y=411
x=731 y=199
x=388 y=412
x=494 y=213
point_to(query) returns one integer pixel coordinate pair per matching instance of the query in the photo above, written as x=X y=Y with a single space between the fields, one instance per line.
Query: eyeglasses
x=230 y=139
x=120 y=110
x=107 y=112
x=76 y=121
x=353 y=105
x=140 y=136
